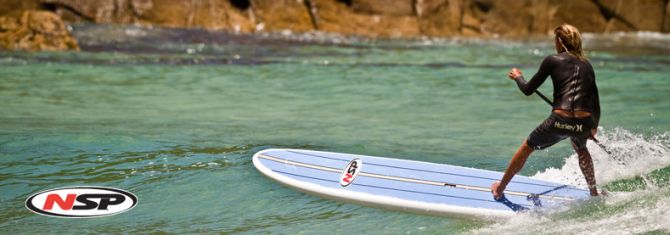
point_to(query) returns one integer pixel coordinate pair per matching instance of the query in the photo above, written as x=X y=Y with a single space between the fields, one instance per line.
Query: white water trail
x=623 y=213
x=632 y=155
x=641 y=211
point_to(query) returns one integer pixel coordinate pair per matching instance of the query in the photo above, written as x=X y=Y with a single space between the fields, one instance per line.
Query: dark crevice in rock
x=49 y=7
x=610 y=14
x=349 y=3
x=313 y=13
x=483 y=6
x=55 y=7
x=666 y=25
x=242 y=5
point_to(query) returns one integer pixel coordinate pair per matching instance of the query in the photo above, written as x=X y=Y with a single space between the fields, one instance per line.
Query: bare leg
x=586 y=165
x=515 y=165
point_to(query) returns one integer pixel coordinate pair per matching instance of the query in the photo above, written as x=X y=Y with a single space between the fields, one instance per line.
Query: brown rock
x=339 y=18
x=383 y=18
x=644 y=15
x=139 y=7
x=471 y=24
x=99 y=11
x=666 y=21
x=44 y=23
x=277 y=15
x=523 y=18
x=384 y=7
x=442 y=18
x=210 y=14
x=70 y=16
x=8 y=24
x=14 y=8
x=428 y=7
x=36 y=31
x=500 y=17
x=166 y=13
x=584 y=15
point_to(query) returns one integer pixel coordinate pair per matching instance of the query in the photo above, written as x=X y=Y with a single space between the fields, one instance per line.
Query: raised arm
x=529 y=87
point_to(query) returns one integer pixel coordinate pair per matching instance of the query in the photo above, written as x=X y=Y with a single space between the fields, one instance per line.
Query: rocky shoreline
x=36 y=31
x=369 y=18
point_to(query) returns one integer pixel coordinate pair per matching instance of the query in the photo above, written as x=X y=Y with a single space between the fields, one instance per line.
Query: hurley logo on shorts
x=575 y=128
x=81 y=202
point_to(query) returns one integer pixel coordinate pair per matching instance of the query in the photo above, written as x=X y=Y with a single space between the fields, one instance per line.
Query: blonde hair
x=570 y=39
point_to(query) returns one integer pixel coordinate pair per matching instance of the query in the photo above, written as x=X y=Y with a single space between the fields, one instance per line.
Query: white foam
x=632 y=155
x=619 y=213
x=637 y=34
x=627 y=213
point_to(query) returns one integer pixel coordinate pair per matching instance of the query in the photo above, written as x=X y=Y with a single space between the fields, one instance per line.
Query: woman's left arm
x=529 y=87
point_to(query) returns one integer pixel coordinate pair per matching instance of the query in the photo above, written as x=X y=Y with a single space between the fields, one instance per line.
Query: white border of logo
x=31 y=207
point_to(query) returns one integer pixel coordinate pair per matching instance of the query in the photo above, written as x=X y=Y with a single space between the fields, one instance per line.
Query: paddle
x=592 y=137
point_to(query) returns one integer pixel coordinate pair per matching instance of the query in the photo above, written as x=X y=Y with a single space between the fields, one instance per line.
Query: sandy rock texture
x=389 y=18
x=373 y=18
x=35 y=31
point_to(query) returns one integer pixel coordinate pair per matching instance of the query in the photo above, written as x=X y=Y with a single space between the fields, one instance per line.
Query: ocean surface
x=175 y=116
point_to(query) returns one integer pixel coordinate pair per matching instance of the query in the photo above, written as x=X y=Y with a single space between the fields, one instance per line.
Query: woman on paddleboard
x=576 y=106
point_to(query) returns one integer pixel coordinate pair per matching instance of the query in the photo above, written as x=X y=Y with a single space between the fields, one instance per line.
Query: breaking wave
x=637 y=176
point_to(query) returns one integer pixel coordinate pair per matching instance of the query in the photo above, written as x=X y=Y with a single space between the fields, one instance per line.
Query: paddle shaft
x=543 y=97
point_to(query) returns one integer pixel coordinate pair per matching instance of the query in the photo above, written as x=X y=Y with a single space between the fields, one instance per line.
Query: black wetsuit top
x=574 y=84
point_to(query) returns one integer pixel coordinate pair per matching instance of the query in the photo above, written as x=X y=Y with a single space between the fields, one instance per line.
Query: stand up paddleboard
x=413 y=186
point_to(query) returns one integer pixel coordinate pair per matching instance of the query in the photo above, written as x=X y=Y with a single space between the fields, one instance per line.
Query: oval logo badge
x=81 y=202
x=351 y=172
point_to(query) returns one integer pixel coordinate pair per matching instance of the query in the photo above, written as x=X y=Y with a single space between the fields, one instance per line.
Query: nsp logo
x=351 y=172
x=81 y=201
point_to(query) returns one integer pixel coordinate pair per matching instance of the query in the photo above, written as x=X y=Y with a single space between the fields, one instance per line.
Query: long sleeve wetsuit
x=574 y=84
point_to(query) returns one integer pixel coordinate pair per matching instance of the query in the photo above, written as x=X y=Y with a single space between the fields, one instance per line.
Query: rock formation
x=35 y=31
x=278 y=15
x=374 y=18
x=338 y=17
x=634 y=15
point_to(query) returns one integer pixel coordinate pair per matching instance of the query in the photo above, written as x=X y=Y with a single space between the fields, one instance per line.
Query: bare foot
x=496 y=190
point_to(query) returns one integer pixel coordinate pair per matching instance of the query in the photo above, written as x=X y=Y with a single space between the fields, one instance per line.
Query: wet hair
x=570 y=39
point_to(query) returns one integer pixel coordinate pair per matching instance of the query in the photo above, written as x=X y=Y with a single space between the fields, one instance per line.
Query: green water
x=176 y=121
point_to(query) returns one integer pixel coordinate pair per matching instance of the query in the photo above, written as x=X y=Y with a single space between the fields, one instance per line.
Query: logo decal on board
x=81 y=202
x=350 y=172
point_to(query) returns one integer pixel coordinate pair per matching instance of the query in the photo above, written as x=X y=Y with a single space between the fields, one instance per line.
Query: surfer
x=576 y=106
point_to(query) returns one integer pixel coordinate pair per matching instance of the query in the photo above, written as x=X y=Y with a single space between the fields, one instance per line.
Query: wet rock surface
x=371 y=18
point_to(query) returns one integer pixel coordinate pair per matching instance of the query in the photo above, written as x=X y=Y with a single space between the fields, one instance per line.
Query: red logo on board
x=350 y=172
